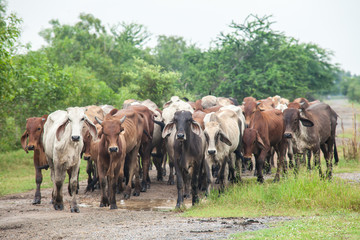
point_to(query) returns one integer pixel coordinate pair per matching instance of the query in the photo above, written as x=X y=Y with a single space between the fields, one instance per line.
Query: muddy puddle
x=159 y=205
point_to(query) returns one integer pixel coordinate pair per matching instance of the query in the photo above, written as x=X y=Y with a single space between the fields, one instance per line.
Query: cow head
x=111 y=130
x=249 y=109
x=292 y=120
x=34 y=130
x=76 y=118
x=214 y=134
x=184 y=123
x=252 y=142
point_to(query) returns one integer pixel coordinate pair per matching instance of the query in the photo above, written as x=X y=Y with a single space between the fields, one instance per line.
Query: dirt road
x=148 y=216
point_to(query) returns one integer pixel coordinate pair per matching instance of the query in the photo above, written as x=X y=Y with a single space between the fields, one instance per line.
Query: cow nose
x=31 y=147
x=75 y=138
x=113 y=149
x=87 y=158
x=211 y=152
x=287 y=135
x=180 y=136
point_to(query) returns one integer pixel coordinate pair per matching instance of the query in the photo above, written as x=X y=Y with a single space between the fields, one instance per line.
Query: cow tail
x=336 y=154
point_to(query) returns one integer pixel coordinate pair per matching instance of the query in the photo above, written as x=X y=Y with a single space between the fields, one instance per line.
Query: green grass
x=17 y=173
x=334 y=226
x=305 y=195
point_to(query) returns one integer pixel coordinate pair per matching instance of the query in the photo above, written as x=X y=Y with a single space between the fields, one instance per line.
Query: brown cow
x=266 y=130
x=133 y=133
x=146 y=142
x=112 y=151
x=313 y=128
x=91 y=152
x=34 y=131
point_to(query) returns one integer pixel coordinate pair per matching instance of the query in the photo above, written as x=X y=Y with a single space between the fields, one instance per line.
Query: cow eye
x=82 y=119
x=39 y=129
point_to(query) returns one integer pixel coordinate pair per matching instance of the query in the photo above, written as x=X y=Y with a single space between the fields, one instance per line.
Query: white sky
x=332 y=24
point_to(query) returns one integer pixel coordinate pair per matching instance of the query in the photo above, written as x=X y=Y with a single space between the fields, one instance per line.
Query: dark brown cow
x=91 y=152
x=112 y=152
x=34 y=131
x=313 y=128
x=266 y=130
x=189 y=148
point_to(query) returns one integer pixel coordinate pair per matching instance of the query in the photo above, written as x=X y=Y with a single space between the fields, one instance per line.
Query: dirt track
x=145 y=217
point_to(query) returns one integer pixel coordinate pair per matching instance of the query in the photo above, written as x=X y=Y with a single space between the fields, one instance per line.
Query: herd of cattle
x=208 y=141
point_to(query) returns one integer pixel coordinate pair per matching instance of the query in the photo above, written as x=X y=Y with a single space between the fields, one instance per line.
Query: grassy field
x=17 y=173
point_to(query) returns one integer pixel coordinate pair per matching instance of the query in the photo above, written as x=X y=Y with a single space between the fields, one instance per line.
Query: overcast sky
x=332 y=24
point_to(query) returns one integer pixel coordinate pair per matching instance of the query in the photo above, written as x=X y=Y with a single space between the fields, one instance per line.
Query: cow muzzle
x=75 y=138
x=113 y=149
x=211 y=152
x=31 y=147
x=87 y=158
x=287 y=135
x=180 y=136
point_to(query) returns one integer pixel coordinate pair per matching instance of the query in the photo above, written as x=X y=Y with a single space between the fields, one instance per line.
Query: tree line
x=89 y=63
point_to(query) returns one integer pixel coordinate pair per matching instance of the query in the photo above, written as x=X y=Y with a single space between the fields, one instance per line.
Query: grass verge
x=306 y=195
x=17 y=173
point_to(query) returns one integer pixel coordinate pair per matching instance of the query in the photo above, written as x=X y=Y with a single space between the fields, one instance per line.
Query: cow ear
x=113 y=112
x=167 y=129
x=260 y=141
x=61 y=129
x=23 y=141
x=224 y=139
x=306 y=122
x=92 y=128
x=196 y=128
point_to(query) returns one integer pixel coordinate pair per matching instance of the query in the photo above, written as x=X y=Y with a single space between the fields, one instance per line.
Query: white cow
x=223 y=132
x=63 y=142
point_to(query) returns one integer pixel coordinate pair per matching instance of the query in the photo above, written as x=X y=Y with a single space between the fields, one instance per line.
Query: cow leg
x=318 y=161
x=308 y=155
x=209 y=178
x=133 y=166
x=145 y=156
x=259 y=162
x=328 y=159
x=59 y=178
x=179 y=185
x=171 y=180
x=157 y=160
x=102 y=168
x=74 y=186
x=222 y=175
x=194 y=184
x=290 y=154
x=112 y=190
x=38 y=180
x=89 y=171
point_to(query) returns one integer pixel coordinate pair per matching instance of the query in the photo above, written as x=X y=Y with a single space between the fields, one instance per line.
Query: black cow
x=313 y=128
x=189 y=148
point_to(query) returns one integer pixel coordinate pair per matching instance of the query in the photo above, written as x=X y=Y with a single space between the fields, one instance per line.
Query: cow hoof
x=217 y=181
x=171 y=182
x=143 y=187
x=36 y=201
x=59 y=206
x=75 y=209
x=148 y=185
x=104 y=204
x=160 y=178
x=113 y=206
x=136 y=194
x=126 y=196
x=186 y=195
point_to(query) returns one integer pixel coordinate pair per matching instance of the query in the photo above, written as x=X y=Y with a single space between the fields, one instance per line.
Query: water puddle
x=161 y=205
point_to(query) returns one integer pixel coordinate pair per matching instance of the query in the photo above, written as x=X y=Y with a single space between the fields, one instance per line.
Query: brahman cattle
x=313 y=128
x=175 y=104
x=111 y=158
x=63 y=143
x=34 y=132
x=265 y=130
x=223 y=134
x=188 y=147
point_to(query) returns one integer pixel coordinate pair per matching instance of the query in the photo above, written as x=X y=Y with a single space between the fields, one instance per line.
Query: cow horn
x=98 y=120
x=122 y=119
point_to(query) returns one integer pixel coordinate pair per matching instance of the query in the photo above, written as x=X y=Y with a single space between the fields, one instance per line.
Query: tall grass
x=305 y=195
x=17 y=173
